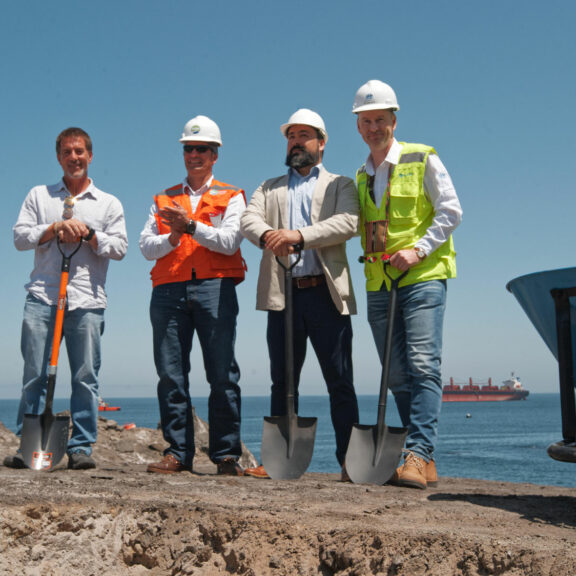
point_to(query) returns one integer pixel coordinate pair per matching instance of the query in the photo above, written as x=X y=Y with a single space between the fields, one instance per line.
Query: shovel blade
x=44 y=440
x=370 y=460
x=287 y=446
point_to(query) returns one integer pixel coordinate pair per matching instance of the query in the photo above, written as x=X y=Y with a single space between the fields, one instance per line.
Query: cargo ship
x=511 y=389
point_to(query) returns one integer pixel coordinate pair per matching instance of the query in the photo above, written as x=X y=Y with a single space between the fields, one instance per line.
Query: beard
x=300 y=158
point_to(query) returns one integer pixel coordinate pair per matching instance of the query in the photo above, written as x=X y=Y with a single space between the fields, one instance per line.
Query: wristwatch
x=420 y=253
x=90 y=235
x=191 y=227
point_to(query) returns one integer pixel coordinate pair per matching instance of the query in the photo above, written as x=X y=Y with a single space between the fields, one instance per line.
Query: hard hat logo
x=369 y=99
x=195 y=129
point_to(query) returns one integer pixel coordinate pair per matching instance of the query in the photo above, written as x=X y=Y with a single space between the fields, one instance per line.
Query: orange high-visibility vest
x=190 y=259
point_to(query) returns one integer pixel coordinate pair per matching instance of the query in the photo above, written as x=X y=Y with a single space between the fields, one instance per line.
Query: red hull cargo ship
x=511 y=389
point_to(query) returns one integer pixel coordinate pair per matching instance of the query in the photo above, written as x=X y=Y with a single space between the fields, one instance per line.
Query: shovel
x=374 y=451
x=288 y=441
x=45 y=436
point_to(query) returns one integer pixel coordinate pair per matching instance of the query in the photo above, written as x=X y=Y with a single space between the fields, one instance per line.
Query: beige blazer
x=334 y=215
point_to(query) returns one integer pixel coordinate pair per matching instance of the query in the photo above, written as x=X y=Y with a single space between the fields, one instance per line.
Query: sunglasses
x=189 y=148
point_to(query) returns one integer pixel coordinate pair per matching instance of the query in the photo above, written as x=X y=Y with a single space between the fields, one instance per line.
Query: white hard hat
x=307 y=117
x=201 y=129
x=375 y=95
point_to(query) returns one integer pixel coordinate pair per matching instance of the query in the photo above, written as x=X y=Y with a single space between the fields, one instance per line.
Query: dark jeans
x=316 y=317
x=177 y=311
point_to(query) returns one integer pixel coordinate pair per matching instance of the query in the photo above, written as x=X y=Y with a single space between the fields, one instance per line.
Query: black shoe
x=80 y=461
x=230 y=467
x=15 y=461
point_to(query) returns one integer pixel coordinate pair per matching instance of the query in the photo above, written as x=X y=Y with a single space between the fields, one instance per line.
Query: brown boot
x=431 y=474
x=415 y=473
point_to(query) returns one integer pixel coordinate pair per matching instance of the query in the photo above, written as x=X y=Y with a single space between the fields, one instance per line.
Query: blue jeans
x=415 y=378
x=316 y=317
x=178 y=310
x=81 y=331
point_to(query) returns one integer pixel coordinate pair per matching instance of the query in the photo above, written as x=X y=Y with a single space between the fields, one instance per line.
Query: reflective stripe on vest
x=190 y=259
x=411 y=214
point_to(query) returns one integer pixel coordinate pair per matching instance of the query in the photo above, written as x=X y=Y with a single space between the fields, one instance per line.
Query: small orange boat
x=105 y=407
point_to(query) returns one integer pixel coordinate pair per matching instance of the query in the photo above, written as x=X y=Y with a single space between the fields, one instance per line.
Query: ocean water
x=503 y=441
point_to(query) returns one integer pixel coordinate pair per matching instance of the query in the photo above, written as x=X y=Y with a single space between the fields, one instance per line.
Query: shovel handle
x=59 y=321
x=289 y=335
x=290 y=267
x=387 y=353
x=64 y=274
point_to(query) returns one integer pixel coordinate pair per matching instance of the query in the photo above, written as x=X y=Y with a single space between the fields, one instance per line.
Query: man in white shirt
x=408 y=211
x=73 y=211
x=193 y=234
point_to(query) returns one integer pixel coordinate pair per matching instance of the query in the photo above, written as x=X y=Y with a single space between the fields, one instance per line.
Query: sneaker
x=415 y=473
x=80 y=461
x=257 y=472
x=168 y=465
x=15 y=461
x=229 y=467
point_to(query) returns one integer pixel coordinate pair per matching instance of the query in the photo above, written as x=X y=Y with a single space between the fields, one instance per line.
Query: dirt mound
x=119 y=520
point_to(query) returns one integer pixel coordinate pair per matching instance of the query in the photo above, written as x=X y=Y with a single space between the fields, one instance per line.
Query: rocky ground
x=119 y=520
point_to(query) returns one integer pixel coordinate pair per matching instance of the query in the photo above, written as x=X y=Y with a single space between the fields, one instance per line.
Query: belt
x=309 y=281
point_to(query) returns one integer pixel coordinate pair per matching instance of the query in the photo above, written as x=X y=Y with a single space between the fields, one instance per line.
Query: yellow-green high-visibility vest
x=410 y=215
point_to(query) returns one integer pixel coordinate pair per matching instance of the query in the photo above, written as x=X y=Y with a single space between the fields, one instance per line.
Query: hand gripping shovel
x=288 y=441
x=45 y=436
x=375 y=451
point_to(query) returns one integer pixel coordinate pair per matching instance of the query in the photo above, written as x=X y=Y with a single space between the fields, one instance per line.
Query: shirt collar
x=392 y=157
x=314 y=172
x=202 y=190
x=90 y=191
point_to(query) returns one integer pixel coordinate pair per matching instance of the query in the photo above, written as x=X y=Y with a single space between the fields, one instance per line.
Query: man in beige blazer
x=316 y=211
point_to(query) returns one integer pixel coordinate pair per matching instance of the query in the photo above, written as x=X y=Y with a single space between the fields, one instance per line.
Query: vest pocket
x=404 y=202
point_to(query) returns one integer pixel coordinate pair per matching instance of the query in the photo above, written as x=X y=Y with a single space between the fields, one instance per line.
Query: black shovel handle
x=289 y=334
x=387 y=353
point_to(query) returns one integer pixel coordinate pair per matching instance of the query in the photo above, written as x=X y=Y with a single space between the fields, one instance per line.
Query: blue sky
x=491 y=85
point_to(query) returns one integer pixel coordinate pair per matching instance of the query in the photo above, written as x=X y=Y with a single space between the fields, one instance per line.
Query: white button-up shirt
x=103 y=212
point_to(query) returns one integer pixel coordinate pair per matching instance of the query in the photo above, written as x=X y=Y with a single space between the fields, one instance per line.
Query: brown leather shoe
x=230 y=467
x=168 y=465
x=257 y=472
x=415 y=473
